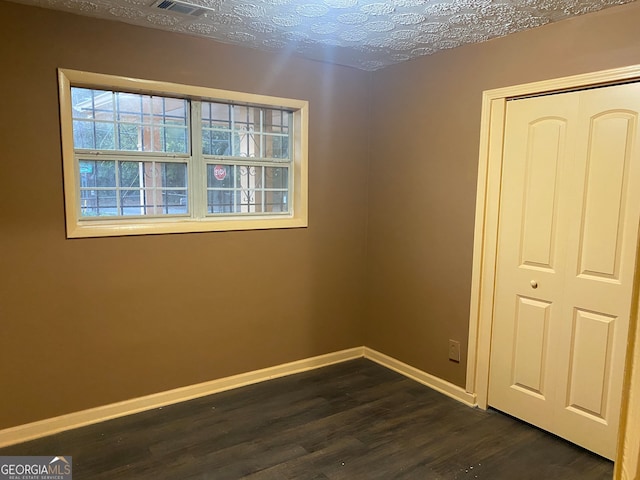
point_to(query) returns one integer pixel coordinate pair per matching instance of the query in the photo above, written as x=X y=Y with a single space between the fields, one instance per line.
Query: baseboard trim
x=50 y=426
x=431 y=381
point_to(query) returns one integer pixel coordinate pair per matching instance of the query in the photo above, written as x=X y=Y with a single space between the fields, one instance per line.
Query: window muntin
x=140 y=157
x=247 y=188
x=105 y=121
x=232 y=135
x=245 y=131
x=111 y=188
x=115 y=120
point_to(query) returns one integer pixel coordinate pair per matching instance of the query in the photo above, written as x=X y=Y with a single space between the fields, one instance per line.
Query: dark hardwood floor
x=355 y=420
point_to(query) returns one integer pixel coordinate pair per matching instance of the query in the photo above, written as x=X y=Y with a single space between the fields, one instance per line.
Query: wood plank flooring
x=355 y=420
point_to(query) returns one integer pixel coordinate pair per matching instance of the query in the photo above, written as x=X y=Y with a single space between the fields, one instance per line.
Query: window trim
x=79 y=228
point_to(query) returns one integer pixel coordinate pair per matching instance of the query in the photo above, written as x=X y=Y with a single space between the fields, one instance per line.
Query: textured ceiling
x=366 y=34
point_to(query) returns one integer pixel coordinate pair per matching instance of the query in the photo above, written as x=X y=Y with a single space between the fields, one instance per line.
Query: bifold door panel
x=568 y=230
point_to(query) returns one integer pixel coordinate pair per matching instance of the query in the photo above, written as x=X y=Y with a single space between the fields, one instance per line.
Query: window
x=144 y=157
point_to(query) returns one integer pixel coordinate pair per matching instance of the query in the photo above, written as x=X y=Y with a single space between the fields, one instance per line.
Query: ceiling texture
x=365 y=34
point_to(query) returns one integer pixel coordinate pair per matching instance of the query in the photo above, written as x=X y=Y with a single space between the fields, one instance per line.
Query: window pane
x=247 y=189
x=83 y=134
x=176 y=139
x=276 y=177
x=132 y=202
x=105 y=173
x=87 y=173
x=216 y=115
x=106 y=202
x=174 y=175
x=175 y=201
x=98 y=203
x=220 y=201
x=247 y=203
x=129 y=107
x=247 y=128
x=216 y=129
x=245 y=131
x=276 y=202
x=220 y=143
x=220 y=176
x=175 y=112
x=82 y=102
x=276 y=146
x=106 y=120
x=138 y=188
x=129 y=136
x=105 y=139
x=130 y=174
x=206 y=142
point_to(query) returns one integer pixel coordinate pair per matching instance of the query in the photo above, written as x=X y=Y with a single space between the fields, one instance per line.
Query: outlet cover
x=454 y=350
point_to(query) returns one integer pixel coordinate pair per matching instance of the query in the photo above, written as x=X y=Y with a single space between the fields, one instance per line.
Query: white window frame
x=78 y=227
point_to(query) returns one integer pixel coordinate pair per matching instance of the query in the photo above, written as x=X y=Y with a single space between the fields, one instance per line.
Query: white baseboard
x=436 y=383
x=50 y=426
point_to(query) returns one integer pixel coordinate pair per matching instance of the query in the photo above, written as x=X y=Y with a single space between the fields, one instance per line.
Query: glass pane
x=176 y=139
x=174 y=175
x=156 y=109
x=276 y=121
x=154 y=203
x=175 y=202
x=220 y=143
x=129 y=121
x=83 y=135
x=92 y=104
x=132 y=202
x=103 y=108
x=275 y=202
x=129 y=137
x=88 y=203
x=175 y=111
x=252 y=132
x=276 y=146
x=130 y=174
x=105 y=203
x=248 y=176
x=105 y=139
x=155 y=140
x=217 y=113
x=206 y=142
x=105 y=173
x=219 y=201
x=129 y=107
x=87 y=173
x=276 y=177
x=249 y=201
x=141 y=188
x=220 y=176
x=82 y=102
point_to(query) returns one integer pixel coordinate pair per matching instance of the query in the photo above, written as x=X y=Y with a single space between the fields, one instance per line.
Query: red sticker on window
x=220 y=172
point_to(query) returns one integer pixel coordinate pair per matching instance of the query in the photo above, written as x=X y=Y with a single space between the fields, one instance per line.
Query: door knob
x=534 y=284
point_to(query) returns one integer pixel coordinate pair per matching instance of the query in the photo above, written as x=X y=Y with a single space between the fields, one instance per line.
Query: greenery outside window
x=144 y=157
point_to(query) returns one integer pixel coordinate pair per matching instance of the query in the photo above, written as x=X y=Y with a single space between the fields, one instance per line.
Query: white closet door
x=570 y=206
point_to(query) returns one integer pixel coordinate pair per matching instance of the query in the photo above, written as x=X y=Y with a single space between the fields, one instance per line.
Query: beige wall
x=88 y=322
x=423 y=167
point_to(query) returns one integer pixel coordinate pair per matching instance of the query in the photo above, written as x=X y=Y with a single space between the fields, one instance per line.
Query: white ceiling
x=365 y=34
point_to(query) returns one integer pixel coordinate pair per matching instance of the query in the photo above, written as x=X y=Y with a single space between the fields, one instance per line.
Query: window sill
x=106 y=228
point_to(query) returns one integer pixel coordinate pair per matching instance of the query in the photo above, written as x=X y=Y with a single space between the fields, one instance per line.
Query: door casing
x=485 y=252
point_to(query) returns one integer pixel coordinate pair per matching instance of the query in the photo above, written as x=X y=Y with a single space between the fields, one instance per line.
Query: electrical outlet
x=454 y=350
